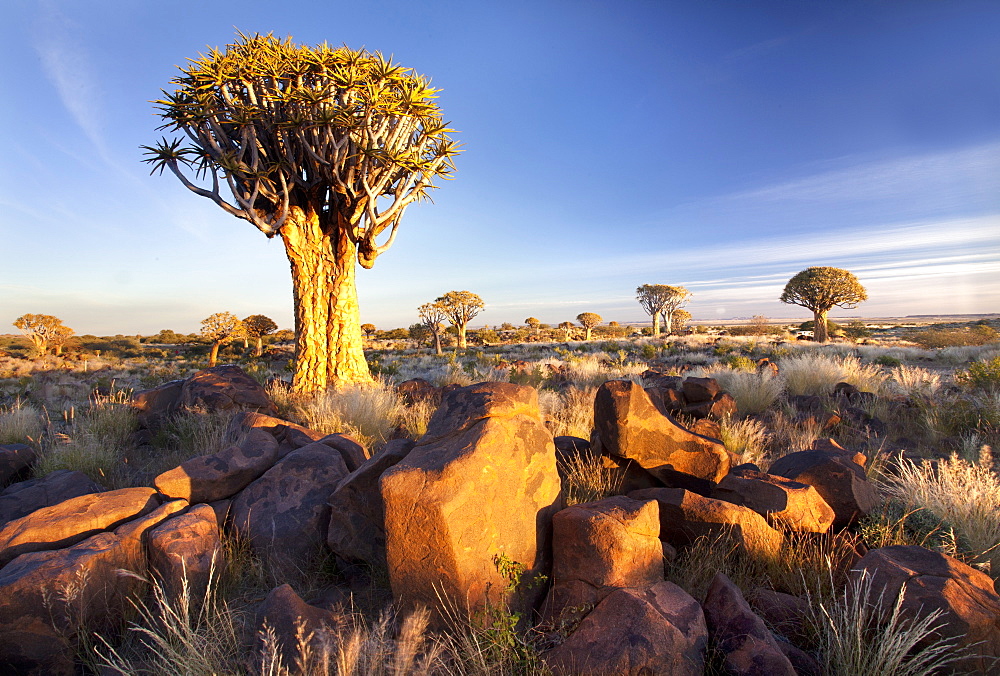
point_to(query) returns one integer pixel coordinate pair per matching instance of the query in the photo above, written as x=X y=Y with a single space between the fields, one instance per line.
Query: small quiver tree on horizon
x=323 y=147
x=821 y=289
x=461 y=307
x=567 y=328
x=255 y=327
x=42 y=330
x=369 y=330
x=432 y=316
x=219 y=328
x=588 y=320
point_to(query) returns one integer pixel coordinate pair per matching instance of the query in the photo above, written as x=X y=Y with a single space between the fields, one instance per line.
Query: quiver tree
x=673 y=302
x=820 y=289
x=369 y=330
x=42 y=330
x=432 y=316
x=588 y=320
x=653 y=299
x=533 y=323
x=461 y=307
x=255 y=327
x=323 y=147
x=218 y=328
x=60 y=336
x=680 y=319
x=567 y=328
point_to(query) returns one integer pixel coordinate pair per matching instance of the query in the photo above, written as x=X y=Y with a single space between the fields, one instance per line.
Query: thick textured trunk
x=437 y=342
x=587 y=337
x=214 y=357
x=328 y=346
x=819 y=326
x=259 y=350
x=462 y=344
x=59 y=350
x=656 y=324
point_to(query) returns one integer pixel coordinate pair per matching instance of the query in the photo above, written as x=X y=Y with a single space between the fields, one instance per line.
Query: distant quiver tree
x=324 y=147
x=820 y=289
x=432 y=316
x=255 y=327
x=461 y=307
x=589 y=320
x=678 y=297
x=42 y=330
x=654 y=298
x=567 y=328
x=218 y=328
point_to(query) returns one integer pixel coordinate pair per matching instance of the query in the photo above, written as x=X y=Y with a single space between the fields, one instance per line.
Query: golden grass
x=21 y=423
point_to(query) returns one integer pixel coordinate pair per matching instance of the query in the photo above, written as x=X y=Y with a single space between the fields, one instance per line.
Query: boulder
x=839 y=481
x=225 y=388
x=833 y=447
x=221 y=475
x=786 y=614
x=932 y=581
x=721 y=406
x=477 y=492
x=356 y=531
x=630 y=426
x=15 y=460
x=185 y=550
x=417 y=390
x=60 y=593
x=155 y=405
x=23 y=498
x=656 y=631
x=31 y=647
x=786 y=504
x=749 y=647
x=287 y=616
x=573 y=449
x=700 y=389
x=284 y=514
x=601 y=546
x=353 y=453
x=686 y=516
x=288 y=434
x=73 y=520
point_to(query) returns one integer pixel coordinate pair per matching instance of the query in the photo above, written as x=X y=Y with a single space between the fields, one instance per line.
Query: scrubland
x=928 y=425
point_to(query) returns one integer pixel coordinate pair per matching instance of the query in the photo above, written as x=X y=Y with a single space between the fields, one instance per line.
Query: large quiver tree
x=324 y=147
x=660 y=299
x=820 y=289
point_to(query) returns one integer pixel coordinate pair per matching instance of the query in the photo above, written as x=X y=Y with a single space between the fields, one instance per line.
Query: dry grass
x=367 y=412
x=810 y=373
x=913 y=381
x=754 y=392
x=587 y=479
x=863 y=633
x=964 y=495
x=21 y=424
x=748 y=439
x=570 y=412
x=96 y=442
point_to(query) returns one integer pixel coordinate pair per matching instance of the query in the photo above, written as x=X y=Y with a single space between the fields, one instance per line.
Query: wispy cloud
x=67 y=66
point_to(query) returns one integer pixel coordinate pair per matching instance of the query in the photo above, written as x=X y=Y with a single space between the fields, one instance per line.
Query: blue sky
x=719 y=145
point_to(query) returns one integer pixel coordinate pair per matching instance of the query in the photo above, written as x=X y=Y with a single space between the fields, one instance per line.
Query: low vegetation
x=927 y=419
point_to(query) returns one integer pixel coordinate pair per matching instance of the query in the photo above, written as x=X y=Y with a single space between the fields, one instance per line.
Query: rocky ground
x=646 y=547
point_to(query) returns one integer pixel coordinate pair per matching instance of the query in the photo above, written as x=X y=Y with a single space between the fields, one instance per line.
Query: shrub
x=984 y=375
x=953 y=337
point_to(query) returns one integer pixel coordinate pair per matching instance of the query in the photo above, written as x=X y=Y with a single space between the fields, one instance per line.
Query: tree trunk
x=668 y=322
x=437 y=342
x=656 y=324
x=214 y=357
x=59 y=350
x=819 y=326
x=259 y=350
x=328 y=345
x=587 y=337
x=461 y=345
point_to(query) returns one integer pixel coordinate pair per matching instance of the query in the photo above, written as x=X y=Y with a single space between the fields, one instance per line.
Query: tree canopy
x=461 y=307
x=821 y=289
x=589 y=320
x=43 y=329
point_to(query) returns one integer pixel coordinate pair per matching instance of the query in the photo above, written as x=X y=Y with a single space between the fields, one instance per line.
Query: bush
x=983 y=375
x=953 y=337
